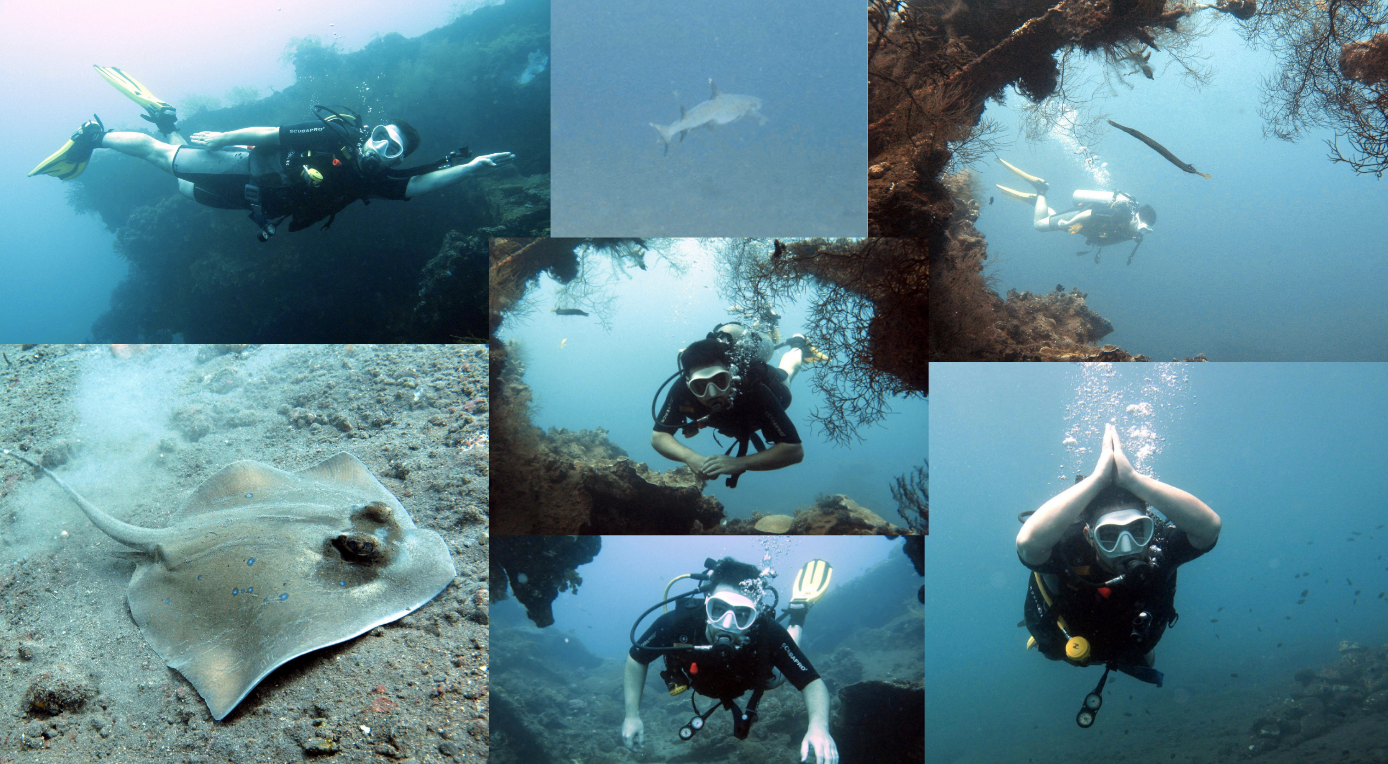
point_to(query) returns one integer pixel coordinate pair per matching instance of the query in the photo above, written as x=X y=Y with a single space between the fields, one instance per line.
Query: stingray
x=265 y=565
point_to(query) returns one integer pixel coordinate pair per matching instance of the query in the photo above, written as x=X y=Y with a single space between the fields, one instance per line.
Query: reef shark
x=719 y=109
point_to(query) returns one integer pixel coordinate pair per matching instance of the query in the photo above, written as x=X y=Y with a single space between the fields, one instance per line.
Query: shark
x=719 y=109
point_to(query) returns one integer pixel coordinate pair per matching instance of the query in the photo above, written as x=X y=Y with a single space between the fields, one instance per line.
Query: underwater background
x=1278 y=256
x=556 y=691
x=1289 y=455
x=151 y=265
x=601 y=371
x=621 y=66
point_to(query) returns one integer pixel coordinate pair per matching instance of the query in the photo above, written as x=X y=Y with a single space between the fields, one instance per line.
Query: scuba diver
x=307 y=171
x=1103 y=582
x=729 y=385
x=723 y=639
x=1104 y=217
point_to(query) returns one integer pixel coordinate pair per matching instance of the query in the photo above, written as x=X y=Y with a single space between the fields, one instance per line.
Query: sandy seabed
x=136 y=430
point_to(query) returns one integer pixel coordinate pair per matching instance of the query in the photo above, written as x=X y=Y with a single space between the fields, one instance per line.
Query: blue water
x=1289 y=455
x=585 y=377
x=620 y=66
x=1278 y=256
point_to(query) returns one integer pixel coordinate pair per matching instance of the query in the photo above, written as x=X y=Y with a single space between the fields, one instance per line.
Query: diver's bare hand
x=721 y=464
x=1124 y=473
x=488 y=161
x=825 y=751
x=1104 y=469
x=633 y=733
x=207 y=140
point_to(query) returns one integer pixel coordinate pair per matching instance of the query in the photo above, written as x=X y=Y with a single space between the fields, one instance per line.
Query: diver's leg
x=1041 y=217
x=790 y=363
x=145 y=147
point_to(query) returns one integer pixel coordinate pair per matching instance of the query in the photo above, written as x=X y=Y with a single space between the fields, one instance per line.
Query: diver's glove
x=163 y=119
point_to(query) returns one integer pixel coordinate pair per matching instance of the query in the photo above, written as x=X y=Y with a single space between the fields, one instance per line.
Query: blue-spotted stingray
x=264 y=565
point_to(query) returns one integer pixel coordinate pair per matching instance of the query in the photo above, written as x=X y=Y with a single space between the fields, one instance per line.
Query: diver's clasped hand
x=720 y=464
x=1124 y=473
x=825 y=751
x=207 y=140
x=633 y=733
x=488 y=161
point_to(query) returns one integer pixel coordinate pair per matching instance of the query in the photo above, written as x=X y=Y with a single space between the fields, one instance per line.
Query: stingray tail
x=134 y=536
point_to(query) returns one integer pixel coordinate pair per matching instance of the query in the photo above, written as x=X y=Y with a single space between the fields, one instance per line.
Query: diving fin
x=810 y=584
x=69 y=161
x=1015 y=194
x=158 y=112
x=808 y=353
x=1041 y=185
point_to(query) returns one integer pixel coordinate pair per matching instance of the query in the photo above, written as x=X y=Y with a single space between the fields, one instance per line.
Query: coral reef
x=578 y=482
x=867 y=313
x=390 y=272
x=932 y=66
x=1354 y=687
x=538 y=568
x=881 y=721
x=970 y=322
x=833 y=515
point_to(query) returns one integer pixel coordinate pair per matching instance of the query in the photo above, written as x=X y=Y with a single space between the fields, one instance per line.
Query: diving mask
x=709 y=382
x=1123 y=533
x=730 y=613
x=386 y=144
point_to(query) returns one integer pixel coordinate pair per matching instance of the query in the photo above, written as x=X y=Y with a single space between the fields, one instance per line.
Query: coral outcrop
x=833 y=515
x=1351 y=689
x=538 y=568
x=579 y=482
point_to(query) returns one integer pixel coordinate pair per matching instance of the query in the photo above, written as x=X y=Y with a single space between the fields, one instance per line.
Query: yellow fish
x=561 y=343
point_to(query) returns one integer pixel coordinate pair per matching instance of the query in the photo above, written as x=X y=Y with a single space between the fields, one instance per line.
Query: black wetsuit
x=1109 y=620
x=769 y=647
x=220 y=177
x=762 y=406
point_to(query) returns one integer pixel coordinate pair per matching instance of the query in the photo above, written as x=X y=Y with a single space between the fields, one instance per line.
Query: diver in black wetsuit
x=730 y=643
x=1103 y=585
x=729 y=385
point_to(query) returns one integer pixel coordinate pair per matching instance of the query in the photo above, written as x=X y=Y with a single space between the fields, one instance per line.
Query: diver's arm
x=817 y=736
x=1190 y=514
x=1045 y=527
x=774 y=458
x=633 y=682
x=246 y=136
x=433 y=181
x=665 y=444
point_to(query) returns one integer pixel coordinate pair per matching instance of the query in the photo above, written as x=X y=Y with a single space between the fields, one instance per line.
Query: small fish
x=1221 y=610
x=561 y=343
x=1301 y=601
x=1214 y=620
x=1139 y=60
x=1351 y=583
x=1297 y=576
x=1305 y=592
x=1260 y=628
x=990 y=201
x=569 y=312
x=1357 y=533
x=1279 y=644
x=1236 y=676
